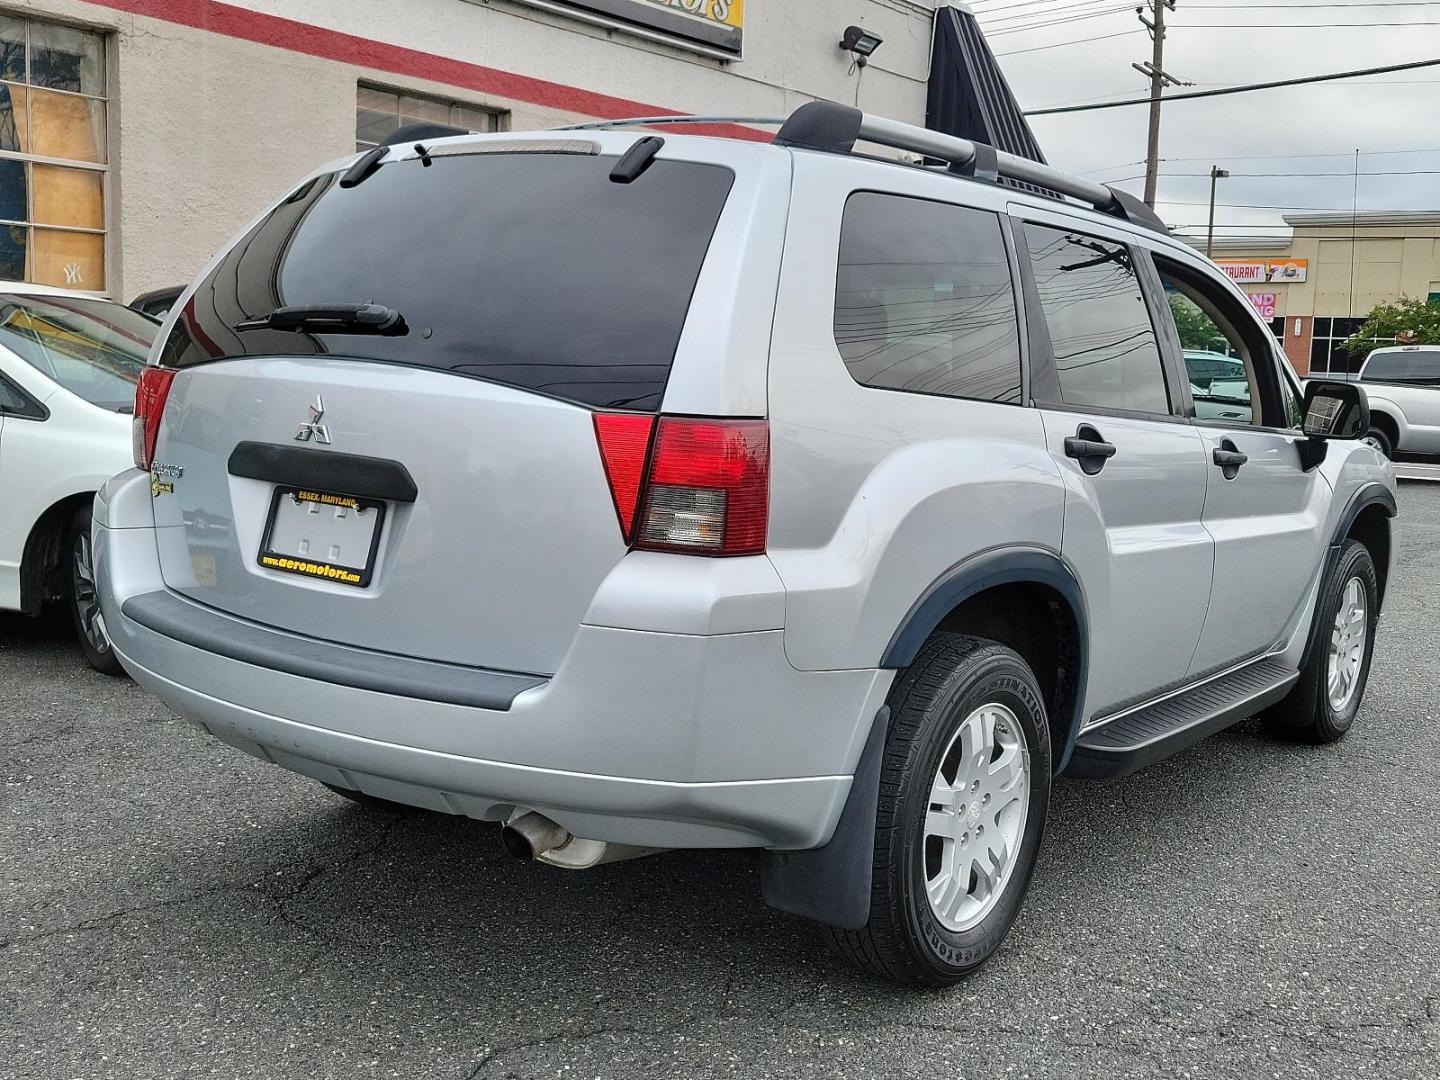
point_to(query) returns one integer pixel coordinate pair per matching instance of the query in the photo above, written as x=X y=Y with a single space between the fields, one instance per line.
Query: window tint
x=1417 y=365
x=533 y=270
x=1104 y=345
x=924 y=300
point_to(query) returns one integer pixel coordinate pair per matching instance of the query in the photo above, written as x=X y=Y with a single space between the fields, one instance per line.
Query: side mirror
x=1333 y=410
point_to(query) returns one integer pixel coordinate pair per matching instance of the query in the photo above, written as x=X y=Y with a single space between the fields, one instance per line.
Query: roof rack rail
x=834 y=128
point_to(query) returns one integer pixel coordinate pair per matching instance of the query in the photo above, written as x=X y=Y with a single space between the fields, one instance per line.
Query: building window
x=1326 y=355
x=380 y=112
x=52 y=154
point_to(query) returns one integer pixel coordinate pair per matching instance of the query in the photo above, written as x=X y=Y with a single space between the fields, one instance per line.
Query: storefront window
x=52 y=154
x=1326 y=356
x=379 y=112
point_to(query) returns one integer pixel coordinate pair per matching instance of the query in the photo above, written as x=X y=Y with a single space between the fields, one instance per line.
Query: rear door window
x=924 y=300
x=529 y=269
x=1105 y=349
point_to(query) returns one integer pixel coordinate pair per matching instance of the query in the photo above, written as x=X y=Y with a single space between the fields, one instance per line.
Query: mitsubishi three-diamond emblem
x=313 y=428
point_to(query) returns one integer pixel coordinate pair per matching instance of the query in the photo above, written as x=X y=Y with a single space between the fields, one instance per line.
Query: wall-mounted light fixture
x=860 y=42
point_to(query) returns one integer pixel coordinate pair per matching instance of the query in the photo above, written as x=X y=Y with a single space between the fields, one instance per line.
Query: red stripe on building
x=281 y=33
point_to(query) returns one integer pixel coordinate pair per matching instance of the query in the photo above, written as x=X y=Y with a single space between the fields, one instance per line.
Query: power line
x=1305 y=26
x=1263 y=157
x=1056 y=22
x=1245 y=89
x=1062 y=44
x=1288 y=175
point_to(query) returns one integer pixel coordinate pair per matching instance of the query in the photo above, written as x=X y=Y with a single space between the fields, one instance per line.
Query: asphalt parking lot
x=171 y=908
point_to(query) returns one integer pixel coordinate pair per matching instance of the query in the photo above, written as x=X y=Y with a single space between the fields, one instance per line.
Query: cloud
x=1394 y=120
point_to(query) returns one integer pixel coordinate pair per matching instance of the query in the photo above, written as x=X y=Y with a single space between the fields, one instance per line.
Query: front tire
x=964 y=789
x=1322 y=706
x=84 y=601
x=1381 y=441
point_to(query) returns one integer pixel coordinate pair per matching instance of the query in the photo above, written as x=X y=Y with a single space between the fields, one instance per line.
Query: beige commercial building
x=1317 y=286
x=136 y=136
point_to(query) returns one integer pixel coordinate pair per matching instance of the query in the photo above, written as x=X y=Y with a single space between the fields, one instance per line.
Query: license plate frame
x=317 y=569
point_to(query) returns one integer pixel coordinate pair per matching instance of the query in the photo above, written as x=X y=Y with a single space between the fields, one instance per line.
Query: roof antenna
x=422 y=154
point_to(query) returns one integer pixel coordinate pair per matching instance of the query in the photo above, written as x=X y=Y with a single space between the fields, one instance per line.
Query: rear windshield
x=92 y=348
x=1418 y=365
x=533 y=270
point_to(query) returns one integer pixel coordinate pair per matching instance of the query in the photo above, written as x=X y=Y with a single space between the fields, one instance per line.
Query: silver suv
x=656 y=491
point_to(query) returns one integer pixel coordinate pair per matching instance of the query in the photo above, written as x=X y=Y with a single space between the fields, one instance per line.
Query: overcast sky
x=1244 y=132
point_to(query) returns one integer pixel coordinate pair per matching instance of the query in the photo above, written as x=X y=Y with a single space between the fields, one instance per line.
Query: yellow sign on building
x=717 y=24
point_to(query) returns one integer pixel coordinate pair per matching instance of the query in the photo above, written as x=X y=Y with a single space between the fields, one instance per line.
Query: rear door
x=1134 y=468
x=431 y=486
x=1265 y=513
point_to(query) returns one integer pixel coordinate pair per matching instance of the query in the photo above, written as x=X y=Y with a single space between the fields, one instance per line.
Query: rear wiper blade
x=332 y=319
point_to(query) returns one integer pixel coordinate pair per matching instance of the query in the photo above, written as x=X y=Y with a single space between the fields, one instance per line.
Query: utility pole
x=1216 y=173
x=1155 y=69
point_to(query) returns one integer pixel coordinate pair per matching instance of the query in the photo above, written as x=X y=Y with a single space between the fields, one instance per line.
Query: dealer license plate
x=321 y=534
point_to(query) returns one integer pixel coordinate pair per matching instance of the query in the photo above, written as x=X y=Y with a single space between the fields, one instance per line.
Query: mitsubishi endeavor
x=653 y=491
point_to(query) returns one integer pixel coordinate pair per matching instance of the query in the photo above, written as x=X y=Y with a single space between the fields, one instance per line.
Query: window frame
x=1254 y=333
x=1012 y=263
x=31 y=409
x=1047 y=393
x=28 y=160
x=499 y=116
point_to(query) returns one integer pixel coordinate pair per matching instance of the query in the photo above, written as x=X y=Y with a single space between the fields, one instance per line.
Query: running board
x=1144 y=736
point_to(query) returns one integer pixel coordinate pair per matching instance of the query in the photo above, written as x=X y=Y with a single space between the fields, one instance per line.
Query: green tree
x=1197 y=330
x=1408 y=321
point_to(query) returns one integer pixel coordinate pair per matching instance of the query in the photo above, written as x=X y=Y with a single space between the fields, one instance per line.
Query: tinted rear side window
x=533 y=270
x=1104 y=344
x=924 y=301
x=1421 y=365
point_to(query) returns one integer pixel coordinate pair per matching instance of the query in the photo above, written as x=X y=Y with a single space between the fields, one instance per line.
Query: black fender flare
x=1371 y=494
x=1302 y=696
x=831 y=884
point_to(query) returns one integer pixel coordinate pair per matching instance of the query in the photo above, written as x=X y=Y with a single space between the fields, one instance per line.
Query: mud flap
x=831 y=884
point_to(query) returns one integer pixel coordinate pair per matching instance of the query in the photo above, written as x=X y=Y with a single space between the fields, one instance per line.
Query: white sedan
x=68 y=367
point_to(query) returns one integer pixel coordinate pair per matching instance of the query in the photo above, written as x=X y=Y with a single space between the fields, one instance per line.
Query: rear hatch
x=430 y=487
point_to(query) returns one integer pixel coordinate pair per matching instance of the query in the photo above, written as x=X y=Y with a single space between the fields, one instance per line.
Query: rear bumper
x=645 y=738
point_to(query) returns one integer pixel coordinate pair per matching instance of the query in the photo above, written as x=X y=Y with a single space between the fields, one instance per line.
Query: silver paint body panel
x=690 y=701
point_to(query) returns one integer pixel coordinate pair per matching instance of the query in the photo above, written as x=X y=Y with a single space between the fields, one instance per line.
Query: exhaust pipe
x=531 y=835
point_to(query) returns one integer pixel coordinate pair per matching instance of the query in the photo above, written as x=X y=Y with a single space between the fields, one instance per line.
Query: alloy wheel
x=84 y=595
x=1347 y=646
x=975 y=820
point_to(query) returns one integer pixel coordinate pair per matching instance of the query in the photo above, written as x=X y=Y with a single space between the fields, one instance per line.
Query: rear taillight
x=624 y=440
x=705 y=490
x=150 y=397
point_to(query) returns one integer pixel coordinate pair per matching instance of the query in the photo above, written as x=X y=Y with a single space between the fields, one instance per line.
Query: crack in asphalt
x=279 y=900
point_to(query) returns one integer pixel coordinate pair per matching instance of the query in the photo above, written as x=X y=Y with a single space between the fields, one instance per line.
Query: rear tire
x=1322 y=706
x=83 y=600
x=944 y=892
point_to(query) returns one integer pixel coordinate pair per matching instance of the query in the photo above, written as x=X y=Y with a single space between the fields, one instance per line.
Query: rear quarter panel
x=876 y=494
x=1415 y=410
